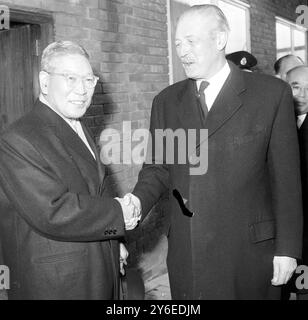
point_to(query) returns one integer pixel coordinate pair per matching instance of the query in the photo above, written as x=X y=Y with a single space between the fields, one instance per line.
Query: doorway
x=20 y=49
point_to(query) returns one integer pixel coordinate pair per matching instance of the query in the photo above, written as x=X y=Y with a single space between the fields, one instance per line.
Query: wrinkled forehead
x=299 y=76
x=290 y=63
x=70 y=63
x=195 y=23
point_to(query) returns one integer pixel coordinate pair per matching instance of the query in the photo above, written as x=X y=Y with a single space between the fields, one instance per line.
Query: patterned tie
x=201 y=98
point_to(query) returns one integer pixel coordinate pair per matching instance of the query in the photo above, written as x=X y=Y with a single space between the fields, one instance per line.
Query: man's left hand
x=283 y=270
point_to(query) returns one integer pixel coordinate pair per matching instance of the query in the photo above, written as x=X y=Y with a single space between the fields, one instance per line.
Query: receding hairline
x=297 y=69
x=291 y=57
x=284 y=59
x=208 y=10
x=60 y=49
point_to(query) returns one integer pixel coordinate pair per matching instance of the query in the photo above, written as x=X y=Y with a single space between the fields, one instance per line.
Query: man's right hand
x=131 y=208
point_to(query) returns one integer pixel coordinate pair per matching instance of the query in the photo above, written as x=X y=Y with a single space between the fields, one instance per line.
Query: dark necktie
x=201 y=98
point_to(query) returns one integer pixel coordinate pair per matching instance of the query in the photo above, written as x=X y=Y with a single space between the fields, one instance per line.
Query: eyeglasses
x=298 y=89
x=72 y=79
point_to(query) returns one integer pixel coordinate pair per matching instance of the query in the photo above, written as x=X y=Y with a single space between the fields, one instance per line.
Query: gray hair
x=210 y=9
x=60 y=48
x=278 y=63
x=302 y=67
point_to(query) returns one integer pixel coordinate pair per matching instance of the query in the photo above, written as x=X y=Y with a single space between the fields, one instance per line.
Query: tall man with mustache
x=244 y=234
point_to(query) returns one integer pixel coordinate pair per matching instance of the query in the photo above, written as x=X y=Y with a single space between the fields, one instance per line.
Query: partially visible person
x=59 y=226
x=285 y=64
x=298 y=80
x=243 y=59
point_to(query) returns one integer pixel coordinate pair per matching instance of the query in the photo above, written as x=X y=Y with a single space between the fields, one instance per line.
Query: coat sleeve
x=44 y=201
x=284 y=170
x=153 y=179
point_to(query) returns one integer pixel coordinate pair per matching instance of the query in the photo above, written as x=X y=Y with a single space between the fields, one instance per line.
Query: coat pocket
x=261 y=231
x=62 y=257
x=61 y=276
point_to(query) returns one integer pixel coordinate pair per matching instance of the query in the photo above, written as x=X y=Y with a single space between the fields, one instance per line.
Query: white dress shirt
x=215 y=85
x=300 y=119
x=73 y=123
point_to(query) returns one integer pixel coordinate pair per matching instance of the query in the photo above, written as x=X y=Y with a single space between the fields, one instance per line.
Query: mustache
x=187 y=60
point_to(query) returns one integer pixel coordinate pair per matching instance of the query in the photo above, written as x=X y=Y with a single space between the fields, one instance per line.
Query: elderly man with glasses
x=59 y=226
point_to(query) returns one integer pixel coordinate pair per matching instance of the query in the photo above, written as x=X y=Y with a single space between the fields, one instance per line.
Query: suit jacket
x=247 y=206
x=303 y=144
x=59 y=228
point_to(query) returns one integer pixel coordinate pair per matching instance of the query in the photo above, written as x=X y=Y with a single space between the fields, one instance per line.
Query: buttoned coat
x=59 y=227
x=247 y=206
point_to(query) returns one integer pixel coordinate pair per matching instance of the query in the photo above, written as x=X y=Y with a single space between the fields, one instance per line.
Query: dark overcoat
x=303 y=143
x=247 y=206
x=59 y=228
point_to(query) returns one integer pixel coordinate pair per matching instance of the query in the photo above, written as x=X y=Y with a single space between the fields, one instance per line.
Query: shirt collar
x=219 y=78
x=300 y=119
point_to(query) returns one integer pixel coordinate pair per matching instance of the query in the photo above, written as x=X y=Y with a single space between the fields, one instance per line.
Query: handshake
x=131 y=207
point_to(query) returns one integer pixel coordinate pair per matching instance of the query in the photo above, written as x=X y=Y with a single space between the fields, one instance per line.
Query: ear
x=221 y=40
x=44 y=81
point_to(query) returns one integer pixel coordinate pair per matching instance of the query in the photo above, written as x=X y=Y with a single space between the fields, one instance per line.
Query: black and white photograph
x=153 y=150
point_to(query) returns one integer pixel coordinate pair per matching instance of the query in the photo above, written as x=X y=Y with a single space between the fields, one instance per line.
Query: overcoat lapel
x=188 y=108
x=100 y=167
x=73 y=145
x=64 y=132
x=71 y=139
x=227 y=103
